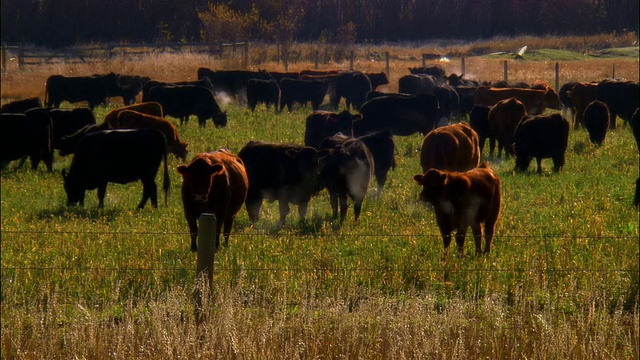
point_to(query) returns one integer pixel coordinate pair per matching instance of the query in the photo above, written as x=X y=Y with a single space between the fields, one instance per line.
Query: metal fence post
x=206 y=258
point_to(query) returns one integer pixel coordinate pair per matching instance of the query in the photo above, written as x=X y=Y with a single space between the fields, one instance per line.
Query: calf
x=346 y=172
x=117 y=156
x=216 y=183
x=596 y=121
x=541 y=136
x=503 y=119
x=463 y=199
x=453 y=148
x=130 y=119
x=283 y=172
x=582 y=94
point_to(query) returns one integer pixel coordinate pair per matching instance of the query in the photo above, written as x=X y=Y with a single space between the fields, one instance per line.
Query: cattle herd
x=342 y=151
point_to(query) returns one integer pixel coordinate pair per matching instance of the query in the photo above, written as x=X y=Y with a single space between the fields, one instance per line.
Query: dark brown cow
x=582 y=94
x=452 y=147
x=130 y=119
x=536 y=101
x=216 y=183
x=463 y=199
x=322 y=124
x=596 y=121
x=539 y=85
x=149 y=108
x=541 y=136
x=503 y=119
x=622 y=98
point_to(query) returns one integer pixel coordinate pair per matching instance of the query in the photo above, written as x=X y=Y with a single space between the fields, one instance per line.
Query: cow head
x=220 y=119
x=551 y=99
x=75 y=192
x=181 y=150
x=196 y=177
x=433 y=183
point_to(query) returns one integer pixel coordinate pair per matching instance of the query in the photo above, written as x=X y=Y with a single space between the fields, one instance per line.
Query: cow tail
x=166 y=182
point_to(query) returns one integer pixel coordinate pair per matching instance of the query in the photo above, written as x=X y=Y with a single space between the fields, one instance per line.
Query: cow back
x=453 y=148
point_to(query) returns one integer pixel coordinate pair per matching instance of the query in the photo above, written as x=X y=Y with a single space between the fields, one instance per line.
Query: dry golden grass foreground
x=31 y=80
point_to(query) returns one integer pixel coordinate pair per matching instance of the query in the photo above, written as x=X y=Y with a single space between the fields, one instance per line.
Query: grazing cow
x=622 y=98
x=353 y=86
x=130 y=119
x=183 y=101
x=93 y=89
x=28 y=134
x=382 y=150
x=462 y=200
x=536 y=101
x=117 y=156
x=596 y=121
x=417 y=84
x=346 y=172
x=283 y=172
x=448 y=101
x=582 y=94
x=436 y=71
x=68 y=144
x=146 y=88
x=231 y=82
x=635 y=129
x=302 y=91
x=377 y=79
x=264 y=91
x=541 y=136
x=454 y=148
x=402 y=115
x=149 y=108
x=565 y=97
x=479 y=122
x=323 y=124
x=68 y=121
x=129 y=86
x=214 y=182
x=20 y=106
x=503 y=120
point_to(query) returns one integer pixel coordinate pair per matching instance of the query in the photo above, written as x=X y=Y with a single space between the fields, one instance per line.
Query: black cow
x=231 y=82
x=479 y=121
x=263 y=91
x=402 y=115
x=129 y=86
x=20 y=106
x=458 y=80
x=353 y=86
x=68 y=144
x=346 y=173
x=448 y=102
x=541 y=136
x=181 y=101
x=436 y=71
x=117 y=156
x=622 y=98
x=68 y=121
x=377 y=79
x=93 y=89
x=382 y=149
x=28 y=134
x=596 y=121
x=302 y=91
x=565 y=98
x=283 y=172
x=417 y=84
x=322 y=124
x=465 y=96
x=148 y=85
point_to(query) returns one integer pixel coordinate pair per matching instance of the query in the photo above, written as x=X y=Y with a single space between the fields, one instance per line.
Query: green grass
x=564 y=243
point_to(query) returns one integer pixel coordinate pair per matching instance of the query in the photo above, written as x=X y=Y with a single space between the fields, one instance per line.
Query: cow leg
x=302 y=210
x=489 y=229
x=253 y=205
x=344 y=206
x=202 y=121
x=460 y=235
x=284 y=211
x=476 y=229
x=192 y=222
x=492 y=145
x=357 y=207
x=446 y=240
x=102 y=191
x=228 y=224
x=333 y=199
x=539 y=161
x=149 y=191
x=558 y=161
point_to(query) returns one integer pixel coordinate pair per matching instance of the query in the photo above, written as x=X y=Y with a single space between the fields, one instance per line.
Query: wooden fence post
x=246 y=55
x=613 y=72
x=557 y=76
x=4 y=58
x=505 y=76
x=21 y=56
x=206 y=258
x=462 y=66
x=351 y=60
x=424 y=60
x=317 y=60
x=386 y=57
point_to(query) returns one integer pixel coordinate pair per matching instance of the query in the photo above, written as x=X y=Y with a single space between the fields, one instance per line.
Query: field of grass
x=561 y=280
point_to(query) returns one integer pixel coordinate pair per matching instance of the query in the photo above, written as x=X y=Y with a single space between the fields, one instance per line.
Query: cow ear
x=182 y=170
x=419 y=178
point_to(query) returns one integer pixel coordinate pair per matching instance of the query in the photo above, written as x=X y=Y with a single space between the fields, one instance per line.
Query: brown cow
x=539 y=85
x=130 y=119
x=150 y=108
x=536 y=101
x=216 y=183
x=503 y=120
x=463 y=199
x=582 y=94
x=452 y=147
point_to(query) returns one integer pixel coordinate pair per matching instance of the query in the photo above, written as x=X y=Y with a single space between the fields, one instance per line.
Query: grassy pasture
x=561 y=281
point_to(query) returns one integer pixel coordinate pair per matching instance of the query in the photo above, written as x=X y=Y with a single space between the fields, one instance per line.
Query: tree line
x=57 y=23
